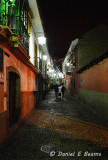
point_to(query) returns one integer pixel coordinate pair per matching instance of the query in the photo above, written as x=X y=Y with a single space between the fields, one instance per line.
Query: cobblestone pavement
x=69 y=126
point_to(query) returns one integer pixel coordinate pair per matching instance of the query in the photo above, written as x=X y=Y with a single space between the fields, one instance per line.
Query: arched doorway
x=14 y=98
x=14 y=95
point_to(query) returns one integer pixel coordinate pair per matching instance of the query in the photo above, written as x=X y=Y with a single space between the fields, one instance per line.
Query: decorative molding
x=27 y=92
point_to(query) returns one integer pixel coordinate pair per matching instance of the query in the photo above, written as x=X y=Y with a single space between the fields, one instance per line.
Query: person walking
x=59 y=92
x=63 y=90
x=56 y=91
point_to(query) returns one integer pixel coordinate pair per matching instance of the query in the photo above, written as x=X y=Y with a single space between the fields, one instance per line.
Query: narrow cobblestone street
x=75 y=129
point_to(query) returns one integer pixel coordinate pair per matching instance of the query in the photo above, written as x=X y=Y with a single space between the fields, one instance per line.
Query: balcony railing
x=15 y=16
x=17 y=26
x=44 y=71
x=38 y=63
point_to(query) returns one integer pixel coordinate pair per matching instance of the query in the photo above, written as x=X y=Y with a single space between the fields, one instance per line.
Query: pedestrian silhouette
x=63 y=90
x=56 y=91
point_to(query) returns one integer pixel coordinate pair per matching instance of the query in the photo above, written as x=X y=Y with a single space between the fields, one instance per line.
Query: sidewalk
x=67 y=124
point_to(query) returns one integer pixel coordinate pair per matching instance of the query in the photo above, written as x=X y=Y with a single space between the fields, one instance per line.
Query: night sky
x=65 y=20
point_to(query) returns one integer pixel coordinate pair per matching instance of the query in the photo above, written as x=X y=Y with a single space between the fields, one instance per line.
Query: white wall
x=31 y=46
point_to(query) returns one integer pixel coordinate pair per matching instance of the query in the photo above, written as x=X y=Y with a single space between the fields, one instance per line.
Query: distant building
x=70 y=66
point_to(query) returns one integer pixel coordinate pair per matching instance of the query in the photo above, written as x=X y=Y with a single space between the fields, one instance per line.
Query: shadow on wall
x=39 y=96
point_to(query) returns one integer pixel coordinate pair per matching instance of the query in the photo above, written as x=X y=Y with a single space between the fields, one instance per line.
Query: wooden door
x=14 y=98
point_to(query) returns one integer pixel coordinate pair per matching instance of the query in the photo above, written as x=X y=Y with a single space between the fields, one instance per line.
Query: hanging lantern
x=14 y=37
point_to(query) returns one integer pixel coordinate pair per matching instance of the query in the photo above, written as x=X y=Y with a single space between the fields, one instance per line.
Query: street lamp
x=44 y=57
x=49 y=63
x=67 y=64
x=42 y=40
x=12 y=2
x=51 y=70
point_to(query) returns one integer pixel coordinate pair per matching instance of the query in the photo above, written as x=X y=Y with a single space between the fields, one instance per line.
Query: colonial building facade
x=23 y=70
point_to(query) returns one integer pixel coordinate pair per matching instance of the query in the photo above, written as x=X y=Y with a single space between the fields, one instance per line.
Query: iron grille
x=38 y=63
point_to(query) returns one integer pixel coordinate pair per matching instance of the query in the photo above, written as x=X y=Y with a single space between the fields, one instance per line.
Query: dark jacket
x=63 y=89
x=56 y=88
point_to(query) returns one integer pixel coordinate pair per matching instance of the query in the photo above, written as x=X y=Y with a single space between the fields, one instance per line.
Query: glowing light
x=67 y=64
x=54 y=74
x=60 y=75
x=42 y=40
x=51 y=70
x=31 y=46
x=44 y=57
x=49 y=63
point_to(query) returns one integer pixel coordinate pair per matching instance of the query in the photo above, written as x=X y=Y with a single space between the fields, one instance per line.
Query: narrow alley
x=50 y=49
x=62 y=129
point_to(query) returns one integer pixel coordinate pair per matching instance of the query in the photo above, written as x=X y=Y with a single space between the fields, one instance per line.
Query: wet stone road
x=63 y=129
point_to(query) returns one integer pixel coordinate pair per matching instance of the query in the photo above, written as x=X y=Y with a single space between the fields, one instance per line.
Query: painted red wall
x=3 y=126
x=74 y=88
x=67 y=82
x=1 y=96
x=27 y=79
x=27 y=82
x=96 y=78
x=75 y=76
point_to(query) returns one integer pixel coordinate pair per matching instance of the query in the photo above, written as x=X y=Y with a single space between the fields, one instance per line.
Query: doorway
x=14 y=98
